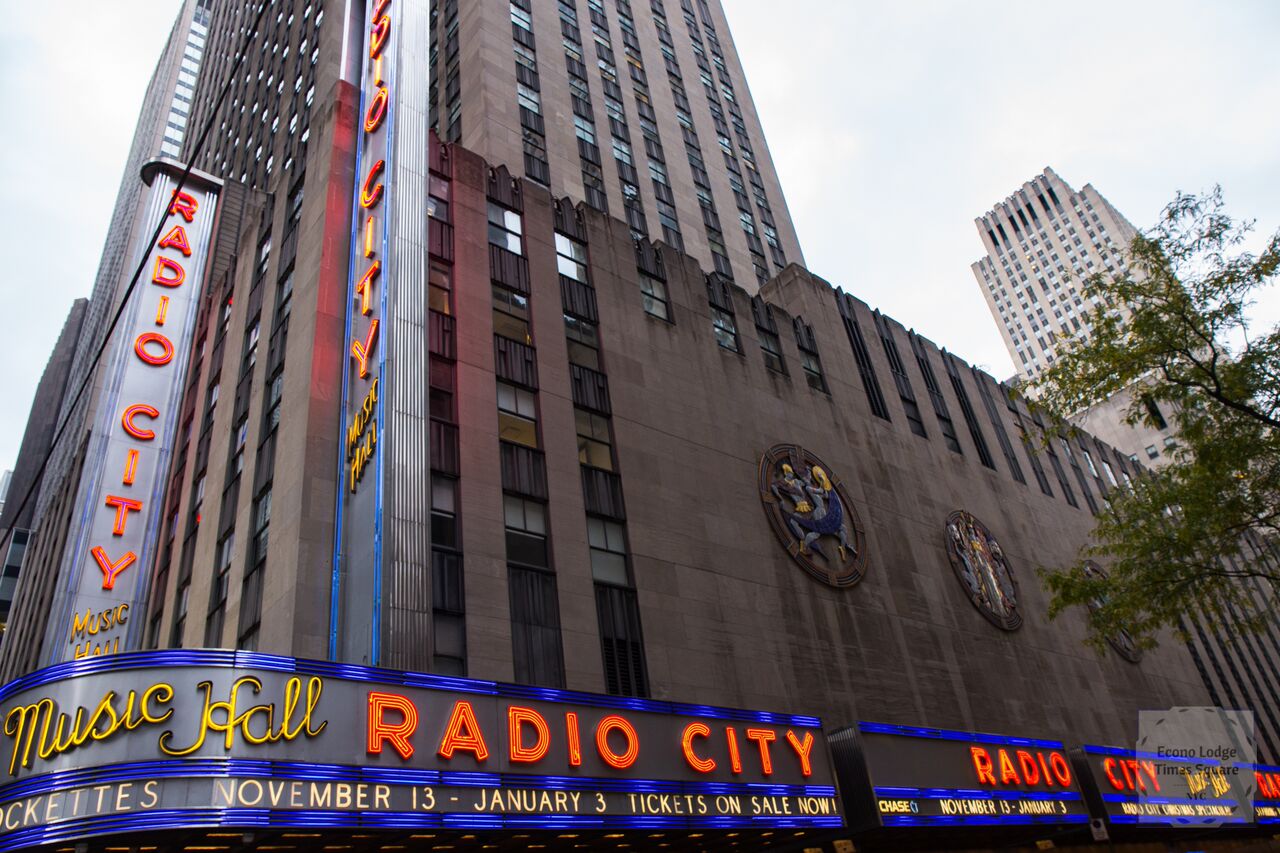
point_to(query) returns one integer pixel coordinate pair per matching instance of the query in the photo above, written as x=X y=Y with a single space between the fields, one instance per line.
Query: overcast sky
x=892 y=125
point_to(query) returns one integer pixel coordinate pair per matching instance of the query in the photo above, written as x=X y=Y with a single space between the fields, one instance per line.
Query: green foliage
x=1198 y=537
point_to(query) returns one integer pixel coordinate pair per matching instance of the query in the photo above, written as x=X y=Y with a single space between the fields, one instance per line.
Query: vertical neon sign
x=103 y=583
x=357 y=565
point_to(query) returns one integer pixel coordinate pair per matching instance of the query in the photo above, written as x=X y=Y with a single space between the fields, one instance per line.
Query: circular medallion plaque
x=812 y=516
x=983 y=571
x=1121 y=641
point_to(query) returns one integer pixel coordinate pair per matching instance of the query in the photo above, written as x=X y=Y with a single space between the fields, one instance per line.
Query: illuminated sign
x=358 y=545
x=213 y=738
x=1167 y=789
x=103 y=579
x=920 y=777
x=1266 y=798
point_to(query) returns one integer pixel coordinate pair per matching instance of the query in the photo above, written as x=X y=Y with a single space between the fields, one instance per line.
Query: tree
x=1199 y=536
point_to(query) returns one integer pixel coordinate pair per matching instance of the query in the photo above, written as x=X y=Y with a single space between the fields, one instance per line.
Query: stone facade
x=728 y=617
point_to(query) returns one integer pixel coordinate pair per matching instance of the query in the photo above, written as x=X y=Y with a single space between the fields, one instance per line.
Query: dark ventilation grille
x=535 y=628
x=524 y=472
x=515 y=362
x=621 y=645
x=860 y=354
x=966 y=408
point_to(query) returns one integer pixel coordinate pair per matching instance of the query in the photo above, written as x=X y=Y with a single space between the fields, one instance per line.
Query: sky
x=892 y=125
x=70 y=96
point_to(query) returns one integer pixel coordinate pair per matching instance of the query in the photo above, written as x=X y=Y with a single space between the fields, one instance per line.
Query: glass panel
x=594 y=453
x=518 y=430
x=609 y=568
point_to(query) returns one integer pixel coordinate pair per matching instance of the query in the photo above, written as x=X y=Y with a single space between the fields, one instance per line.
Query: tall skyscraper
x=491 y=513
x=643 y=111
x=16 y=517
x=163 y=123
x=1042 y=242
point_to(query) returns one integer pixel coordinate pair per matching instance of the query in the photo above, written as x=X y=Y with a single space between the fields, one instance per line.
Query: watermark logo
x=1199 y=761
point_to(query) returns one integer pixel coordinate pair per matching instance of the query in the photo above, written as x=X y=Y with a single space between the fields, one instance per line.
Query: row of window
x=532 y=583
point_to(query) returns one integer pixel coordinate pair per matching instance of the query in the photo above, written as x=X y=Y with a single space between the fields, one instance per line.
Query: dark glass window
x=535 y=627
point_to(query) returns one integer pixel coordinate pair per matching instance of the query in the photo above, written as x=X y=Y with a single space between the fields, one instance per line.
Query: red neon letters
x=366 y=285
x=371 y=189
x=463 y=733
x=166 y=349
x=176 y=239
x=1022 y=768
x=377 y=111
x=1126 y=774
x=126 y=420
x=154 y=350
x=184 y=206
x=363 y=349
x=533 y=737
x=616 y=723
x=517 y=717
x=122 y=506
x=691 y=731
x=397 y=734
x=575 y=742
x=111 y=570
x=167 y=272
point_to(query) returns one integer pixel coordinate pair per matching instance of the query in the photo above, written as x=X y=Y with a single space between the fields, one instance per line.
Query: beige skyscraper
x=1042 y=242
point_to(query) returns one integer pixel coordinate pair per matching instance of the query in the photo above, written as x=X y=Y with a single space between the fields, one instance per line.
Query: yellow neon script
x=362 y=435
x=50 y=732
x=233 y=719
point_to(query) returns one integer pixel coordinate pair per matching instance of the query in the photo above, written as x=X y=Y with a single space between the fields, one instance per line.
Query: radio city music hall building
x=462 y=479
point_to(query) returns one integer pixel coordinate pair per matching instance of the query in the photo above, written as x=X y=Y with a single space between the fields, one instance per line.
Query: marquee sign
x=903 y=776
x=102 y=584
x=1169 y=788
x=1266 y=798
x=221 y=738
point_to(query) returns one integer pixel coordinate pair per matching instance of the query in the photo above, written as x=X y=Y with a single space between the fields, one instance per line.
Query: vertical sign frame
x=104 y=578
x=356 y=580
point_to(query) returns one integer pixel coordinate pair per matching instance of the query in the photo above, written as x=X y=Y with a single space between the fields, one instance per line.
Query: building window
x=608 y=551
x=517 y=415
x=813 y=371
x=448 y=605
x=583 y=342
x=571 y=258
x=261 y=525
x=526 y=532
x=511 y=315
x=535 y=627
x=1152 y=452
x=444 y=513
x=505 y=228
x=772 y=349
x=447 y=614
x=594 y=441
x=726 y=330
x=218 y=593
x=1153 y=411
x=653 y=294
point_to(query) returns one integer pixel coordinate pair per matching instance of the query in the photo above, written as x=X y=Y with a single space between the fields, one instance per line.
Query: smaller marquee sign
x=1167 y=789
x=905 y=776
x=1266 y=797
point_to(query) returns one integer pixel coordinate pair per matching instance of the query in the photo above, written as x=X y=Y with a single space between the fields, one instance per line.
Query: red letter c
x=133 y=429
